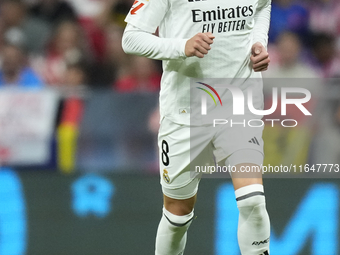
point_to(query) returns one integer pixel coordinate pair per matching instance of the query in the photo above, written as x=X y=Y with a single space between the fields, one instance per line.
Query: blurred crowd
x=69 y=43
x=77 y=42
x=304 y=39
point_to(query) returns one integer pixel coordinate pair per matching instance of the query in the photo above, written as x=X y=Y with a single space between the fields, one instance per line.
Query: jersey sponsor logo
x=199 y=15
x=213 y=90
x=166 y=176
x=135 y=7
x=261 y=242
x=195 y=0
x=222 y=20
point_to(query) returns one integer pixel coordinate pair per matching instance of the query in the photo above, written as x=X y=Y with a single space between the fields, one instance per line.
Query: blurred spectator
x=143 y=77
x=288 y=15
x=87 y=12
x=326 y=58
x=88 y=9
x=34 y=33
x=115 y=62
x=67 y=47
x=75 y=75
x=14 y=71
x=289 y=65
x=114 y=12
x=53 y=11
x=2 y=37
x=96 y=17
x=325 y=17
x=105 y=36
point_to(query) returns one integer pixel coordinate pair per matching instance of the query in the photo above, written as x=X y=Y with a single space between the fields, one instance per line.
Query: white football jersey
x=230 y=21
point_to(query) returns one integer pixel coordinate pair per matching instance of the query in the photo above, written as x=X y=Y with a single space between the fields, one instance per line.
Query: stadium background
x=78 y=125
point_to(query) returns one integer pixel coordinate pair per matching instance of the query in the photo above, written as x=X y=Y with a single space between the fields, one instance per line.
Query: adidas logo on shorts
x=254 y=140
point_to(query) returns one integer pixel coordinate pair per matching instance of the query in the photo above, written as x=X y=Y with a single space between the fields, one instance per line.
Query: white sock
x=172 y=233
x=253 y=225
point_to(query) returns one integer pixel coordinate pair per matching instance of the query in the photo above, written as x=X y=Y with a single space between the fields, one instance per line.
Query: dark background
x=129 y=227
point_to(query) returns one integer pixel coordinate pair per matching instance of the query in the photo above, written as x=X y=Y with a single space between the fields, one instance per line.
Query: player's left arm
x=259 y=54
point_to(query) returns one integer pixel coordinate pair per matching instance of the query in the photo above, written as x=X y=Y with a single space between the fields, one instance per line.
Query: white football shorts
x=183 y=147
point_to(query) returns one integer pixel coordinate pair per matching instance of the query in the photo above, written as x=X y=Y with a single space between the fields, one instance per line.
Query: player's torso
x=188 y=17
x=230 y=21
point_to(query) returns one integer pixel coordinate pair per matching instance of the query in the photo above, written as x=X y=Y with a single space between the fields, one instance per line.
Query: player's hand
x=199 y=45
x=259 y=57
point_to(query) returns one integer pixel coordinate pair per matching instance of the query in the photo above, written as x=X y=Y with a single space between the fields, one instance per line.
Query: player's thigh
x=241 y=179
x=239 y=137
x=180 y=148
x=240 y=148
x=246 y=165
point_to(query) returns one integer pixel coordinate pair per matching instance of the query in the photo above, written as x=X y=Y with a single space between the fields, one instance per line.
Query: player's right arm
x=143 y=19
x=139 y=42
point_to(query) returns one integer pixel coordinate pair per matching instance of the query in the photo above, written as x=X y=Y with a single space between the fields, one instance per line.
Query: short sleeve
x=147 y=14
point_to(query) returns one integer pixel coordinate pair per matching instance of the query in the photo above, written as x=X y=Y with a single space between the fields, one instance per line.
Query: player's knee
x=251 y=203
x=180 y=209
x=179 y=221
x=253 y=209
x=179 y=206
